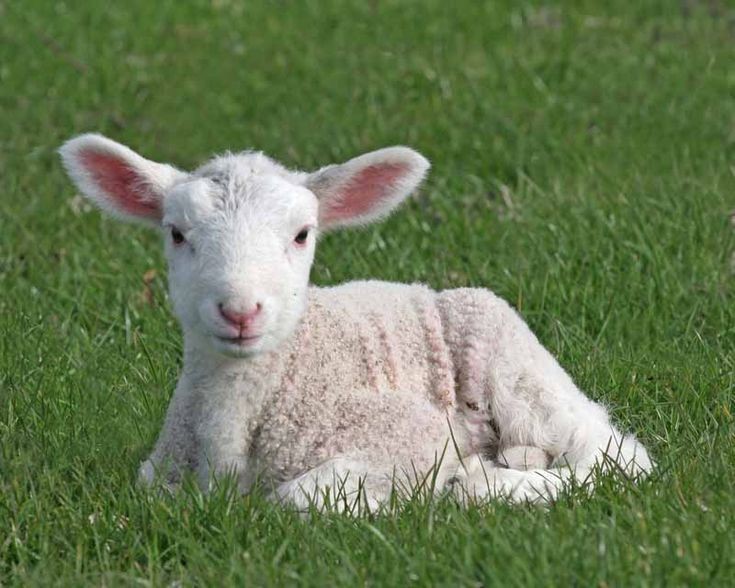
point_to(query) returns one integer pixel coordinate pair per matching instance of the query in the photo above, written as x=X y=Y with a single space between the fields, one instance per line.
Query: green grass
x=583 y=169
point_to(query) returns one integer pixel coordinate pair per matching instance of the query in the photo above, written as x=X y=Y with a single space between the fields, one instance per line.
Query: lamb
x=339 y=394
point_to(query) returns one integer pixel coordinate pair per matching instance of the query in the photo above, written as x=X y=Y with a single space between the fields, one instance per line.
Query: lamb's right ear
x=117 y=179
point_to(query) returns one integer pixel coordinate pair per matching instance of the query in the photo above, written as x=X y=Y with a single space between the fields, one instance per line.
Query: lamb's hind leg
x=534 y=403
x=523 y=457
x=545 y=409
x=342 y=483
x=577 y=434
x=478 y=478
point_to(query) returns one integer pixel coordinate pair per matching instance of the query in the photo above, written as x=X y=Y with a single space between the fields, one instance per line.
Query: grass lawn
x=582 y=168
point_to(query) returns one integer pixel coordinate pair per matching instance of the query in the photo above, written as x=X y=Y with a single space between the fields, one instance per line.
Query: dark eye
x=301 y=237
x=177 y=236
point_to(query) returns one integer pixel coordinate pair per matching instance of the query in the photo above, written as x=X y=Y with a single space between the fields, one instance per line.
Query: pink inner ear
x=366 y=191
x=122 y=184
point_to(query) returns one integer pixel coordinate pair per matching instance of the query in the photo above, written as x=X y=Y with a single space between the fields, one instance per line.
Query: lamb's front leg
x=224 y=434
x=175 y=451
x=224 y=456
x=207 y=432
x=344 y=484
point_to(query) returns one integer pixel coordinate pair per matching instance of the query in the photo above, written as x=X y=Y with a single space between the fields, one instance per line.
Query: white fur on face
x=239 y=252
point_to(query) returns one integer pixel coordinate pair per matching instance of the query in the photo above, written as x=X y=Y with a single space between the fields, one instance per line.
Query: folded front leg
x=342 y=483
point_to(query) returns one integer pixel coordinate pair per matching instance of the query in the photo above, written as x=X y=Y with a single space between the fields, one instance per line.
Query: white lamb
x=341 y=393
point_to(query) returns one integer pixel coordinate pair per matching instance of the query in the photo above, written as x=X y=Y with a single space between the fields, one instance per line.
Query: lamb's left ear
x=117 y=179
x=366 y=188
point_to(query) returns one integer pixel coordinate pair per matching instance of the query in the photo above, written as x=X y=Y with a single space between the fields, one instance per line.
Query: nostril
x=239 y=318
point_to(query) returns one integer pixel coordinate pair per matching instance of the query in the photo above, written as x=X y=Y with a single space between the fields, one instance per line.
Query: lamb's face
x=240 y=231
x=239 y=248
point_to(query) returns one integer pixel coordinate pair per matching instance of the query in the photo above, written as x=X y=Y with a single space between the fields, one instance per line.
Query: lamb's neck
x=203 y=364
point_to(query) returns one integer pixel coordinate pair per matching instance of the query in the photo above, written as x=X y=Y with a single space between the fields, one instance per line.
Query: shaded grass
x=582 y=170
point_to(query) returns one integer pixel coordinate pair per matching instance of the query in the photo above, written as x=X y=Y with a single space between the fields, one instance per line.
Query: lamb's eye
x=177 y=236
x=301 y=237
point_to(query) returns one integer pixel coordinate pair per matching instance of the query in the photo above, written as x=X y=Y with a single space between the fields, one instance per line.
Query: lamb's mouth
x=241 y=340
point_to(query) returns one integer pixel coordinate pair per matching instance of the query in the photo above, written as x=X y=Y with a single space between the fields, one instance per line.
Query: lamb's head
x=240 y=231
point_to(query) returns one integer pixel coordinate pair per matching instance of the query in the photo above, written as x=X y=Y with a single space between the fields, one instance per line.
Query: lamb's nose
x=240 y=319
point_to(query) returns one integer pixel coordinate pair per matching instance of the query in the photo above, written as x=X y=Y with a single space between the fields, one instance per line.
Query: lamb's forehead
x=232 y=182
x=239 y=167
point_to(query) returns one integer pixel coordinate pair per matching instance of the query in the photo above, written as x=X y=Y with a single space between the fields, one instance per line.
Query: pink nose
x=240 y=319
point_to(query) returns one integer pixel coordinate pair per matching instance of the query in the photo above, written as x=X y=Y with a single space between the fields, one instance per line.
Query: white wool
x=343 y=392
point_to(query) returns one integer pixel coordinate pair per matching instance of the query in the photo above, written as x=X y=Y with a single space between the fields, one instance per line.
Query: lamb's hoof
x=150 y=478
x=476 y=482
x=146 y=474
x=523 y=457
